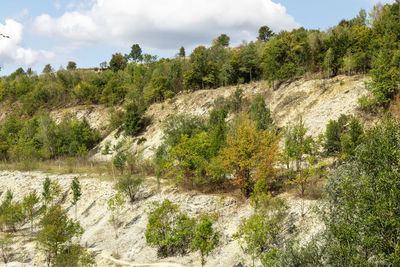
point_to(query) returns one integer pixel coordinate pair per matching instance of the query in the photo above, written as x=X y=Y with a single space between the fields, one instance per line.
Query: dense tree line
x=42 y=138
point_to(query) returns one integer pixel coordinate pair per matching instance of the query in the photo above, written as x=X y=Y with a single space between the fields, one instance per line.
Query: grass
x=100 y=170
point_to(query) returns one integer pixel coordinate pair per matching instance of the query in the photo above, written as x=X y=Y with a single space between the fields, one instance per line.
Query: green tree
x=362 y=201
x=115 y=205
x=328 y=61
x=136 y=53
x=334 y=130
x=57 y=234
x=134 y=121
x=297 y=144
x=71 y=65
x=76 y=194
x=205 y=239
x=118 y=62
x=260 y=234
x=265 y=33
x=129 y=185
x=168 y=229
x=48 y=69
x=223 y=40
x=29 y=202
x=260 y=114
x=182 y=52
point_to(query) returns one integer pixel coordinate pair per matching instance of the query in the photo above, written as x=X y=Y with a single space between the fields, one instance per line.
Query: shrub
x=260 y=114
x=134 y=121
x=205 y=239
x=169 y=230
x=129 y=185
x=262 y=233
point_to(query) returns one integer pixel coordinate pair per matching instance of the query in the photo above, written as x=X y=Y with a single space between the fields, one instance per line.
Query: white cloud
x=161 y=24
x=12 y=49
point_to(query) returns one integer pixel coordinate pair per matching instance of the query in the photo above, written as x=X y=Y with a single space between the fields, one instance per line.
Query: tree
x=334 y=131
x=114 y=205
x=119 y=161
x=328 y=61
x=297 y=144
x=205 y=239
x=29 y=204
x=362 y=201
x=168 y=229
x=103 y=65
x=223 y=40
x=48 y=69
x=250 y=60
x=134 y=121
x=71 y=66
x=265 y=33
x=260 y=114
x=118 y=62
x=260 y=234
x=76 y=194
x=182 y=52
x=51 y=191
x=136 y=53
x=56 y=236
x=250 y=154
x=129 y=185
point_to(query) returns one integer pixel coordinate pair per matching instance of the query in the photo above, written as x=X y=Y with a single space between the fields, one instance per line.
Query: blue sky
x=90 y=31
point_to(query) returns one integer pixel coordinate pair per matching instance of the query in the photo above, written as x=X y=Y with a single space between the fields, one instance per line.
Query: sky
x=88 y=32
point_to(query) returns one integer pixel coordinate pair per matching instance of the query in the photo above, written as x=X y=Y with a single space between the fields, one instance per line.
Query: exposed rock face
x=130 y=246
x=316 y=101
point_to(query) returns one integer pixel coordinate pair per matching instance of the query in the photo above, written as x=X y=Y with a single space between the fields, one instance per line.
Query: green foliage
x=118 y=62
x=205 y=239
x=182 y=52
x=50 y=193
x=119 y=161
x=169 y=230
x=136 y=53
x=134 y=121
x=333 y=132
x=71 y=65
x=48 y=69
x=11 y=214
x=115 y=205
x=262 y=232
x=265 y=33
x=55 y=240
x=260 y=114
x=129 y=185
x=76 y=194
x=29 y=202
x=182 y=124
x=297 y=144
x=223 y=40
x=6 y=249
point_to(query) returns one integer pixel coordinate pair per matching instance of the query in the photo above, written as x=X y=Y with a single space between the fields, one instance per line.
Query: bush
x=205 y=239
x=169 y=230
x=129 y=185
x=260 y=114
x=263 y=233
x=134 y=121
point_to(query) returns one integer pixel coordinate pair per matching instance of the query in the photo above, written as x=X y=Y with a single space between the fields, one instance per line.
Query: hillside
x=315 y=101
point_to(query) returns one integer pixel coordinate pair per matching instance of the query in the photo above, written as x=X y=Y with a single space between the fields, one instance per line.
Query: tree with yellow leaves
x=250 y=155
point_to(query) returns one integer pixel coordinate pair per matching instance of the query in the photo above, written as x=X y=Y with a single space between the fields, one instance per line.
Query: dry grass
x=100 y=170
